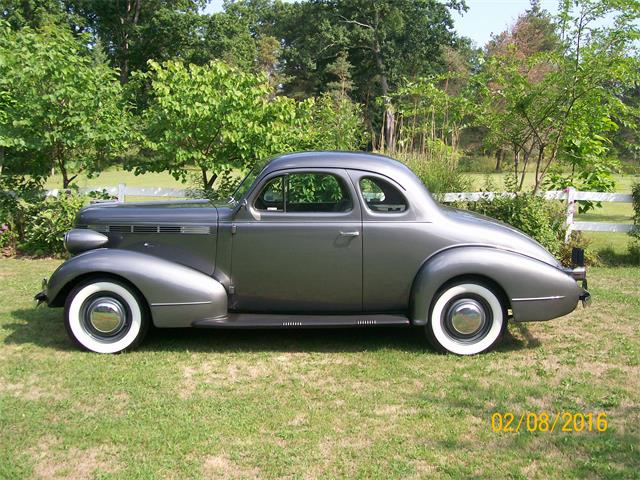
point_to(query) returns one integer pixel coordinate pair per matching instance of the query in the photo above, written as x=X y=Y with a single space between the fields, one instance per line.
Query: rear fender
x=177 y=295
x=535 y=290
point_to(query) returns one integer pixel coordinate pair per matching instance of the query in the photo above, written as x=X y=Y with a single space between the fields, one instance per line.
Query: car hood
x=187 y=212
x=480 y=229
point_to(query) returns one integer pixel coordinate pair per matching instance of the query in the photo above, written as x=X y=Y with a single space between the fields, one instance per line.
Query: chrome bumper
x=580 y=274
x=41 y=297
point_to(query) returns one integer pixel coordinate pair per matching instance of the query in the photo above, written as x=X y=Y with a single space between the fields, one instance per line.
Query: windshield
x=245 y=185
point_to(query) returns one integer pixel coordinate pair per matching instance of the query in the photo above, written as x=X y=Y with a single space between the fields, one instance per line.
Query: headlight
x=81 y=240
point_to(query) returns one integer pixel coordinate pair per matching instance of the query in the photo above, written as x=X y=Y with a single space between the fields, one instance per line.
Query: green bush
x=437 y=168
x=47 y=223
x=32 y=223
x=535 y=216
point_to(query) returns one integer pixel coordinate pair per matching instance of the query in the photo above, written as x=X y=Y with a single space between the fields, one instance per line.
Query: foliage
x=535 y=216
x=33 y=223
x=332 y=123
x=47 y=222
x=215 y=117
x=427 y=110
x=384 y=41
x=561 y=105
x=62 y=108
x=437 y=167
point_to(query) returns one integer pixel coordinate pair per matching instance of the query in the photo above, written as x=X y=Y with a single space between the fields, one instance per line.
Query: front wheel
x=466 y=318
x=103 y=315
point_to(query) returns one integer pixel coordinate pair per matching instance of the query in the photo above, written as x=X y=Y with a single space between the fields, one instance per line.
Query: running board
x=256 y=320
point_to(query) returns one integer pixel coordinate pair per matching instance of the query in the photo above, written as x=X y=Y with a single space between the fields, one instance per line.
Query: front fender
x=177 y=295
x=535 y=290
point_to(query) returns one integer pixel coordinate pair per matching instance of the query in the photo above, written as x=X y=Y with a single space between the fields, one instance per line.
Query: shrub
x=535 y=216
x=437 y=168
x=32 y=223
x=48 y=221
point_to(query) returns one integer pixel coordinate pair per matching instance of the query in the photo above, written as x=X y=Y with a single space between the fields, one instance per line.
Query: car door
x=297 y=245
x=394 y=243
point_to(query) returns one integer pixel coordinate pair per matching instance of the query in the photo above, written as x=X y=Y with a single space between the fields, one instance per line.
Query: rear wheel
x=106 y=316
x=466 y=318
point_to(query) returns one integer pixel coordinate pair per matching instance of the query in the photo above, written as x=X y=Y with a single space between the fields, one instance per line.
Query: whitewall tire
x=104 y=315
x=466 y=318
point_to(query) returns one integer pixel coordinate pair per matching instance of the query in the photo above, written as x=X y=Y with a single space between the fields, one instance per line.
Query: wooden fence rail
x=569 y=195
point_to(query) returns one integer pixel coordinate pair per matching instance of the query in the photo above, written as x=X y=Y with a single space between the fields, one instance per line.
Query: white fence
x=569 y=195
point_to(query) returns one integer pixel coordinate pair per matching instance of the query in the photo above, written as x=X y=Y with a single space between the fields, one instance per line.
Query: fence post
x=121 y=192
x=571 y=207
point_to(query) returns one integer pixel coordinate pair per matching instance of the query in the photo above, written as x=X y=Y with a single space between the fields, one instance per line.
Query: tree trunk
x=207 y=183
x=499 y=158
x=388 y=118
x=539 y=177
x=127 y=23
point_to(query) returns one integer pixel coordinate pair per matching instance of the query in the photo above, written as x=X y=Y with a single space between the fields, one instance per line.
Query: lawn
x=370 y=403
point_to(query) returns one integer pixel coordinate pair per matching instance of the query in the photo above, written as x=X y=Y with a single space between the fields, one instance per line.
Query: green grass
x=370 y=403
x=479 y=181
x=114 y=176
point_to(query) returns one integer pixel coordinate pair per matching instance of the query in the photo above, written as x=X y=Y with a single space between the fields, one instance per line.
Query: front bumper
x=41 y=297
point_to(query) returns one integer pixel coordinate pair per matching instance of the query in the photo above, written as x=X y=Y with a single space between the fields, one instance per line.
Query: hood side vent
x=169 y=229
x=120 y=228
x=145 y=229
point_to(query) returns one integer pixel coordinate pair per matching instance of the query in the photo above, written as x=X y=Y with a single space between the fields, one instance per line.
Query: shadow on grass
x=611 y=258
x=45 y=327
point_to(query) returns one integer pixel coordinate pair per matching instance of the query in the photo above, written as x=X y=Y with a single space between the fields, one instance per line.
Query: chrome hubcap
x=467 y=316
x=106 y=315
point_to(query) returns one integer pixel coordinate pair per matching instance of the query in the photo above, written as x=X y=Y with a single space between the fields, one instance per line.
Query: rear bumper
x=580 y=274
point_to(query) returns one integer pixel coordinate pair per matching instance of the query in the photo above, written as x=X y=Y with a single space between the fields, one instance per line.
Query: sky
x=483 y=18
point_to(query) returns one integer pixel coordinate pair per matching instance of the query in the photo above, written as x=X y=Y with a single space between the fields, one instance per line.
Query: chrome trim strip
x=179 y=303
x=152 y=229
x=533 y=299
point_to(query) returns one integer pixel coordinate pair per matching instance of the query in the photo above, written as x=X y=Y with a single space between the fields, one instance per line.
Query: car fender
x=534 y=290
x=177 y=295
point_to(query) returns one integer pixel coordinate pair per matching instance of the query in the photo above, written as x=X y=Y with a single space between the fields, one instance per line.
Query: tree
x=63 y=107
x=560 y=106
x=385 y=41
x=214 y=117
x=134 y=31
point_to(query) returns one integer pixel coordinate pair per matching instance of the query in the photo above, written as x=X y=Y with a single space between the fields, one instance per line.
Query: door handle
x=349 y=234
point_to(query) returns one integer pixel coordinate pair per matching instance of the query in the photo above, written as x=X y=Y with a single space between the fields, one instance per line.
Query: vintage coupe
x=314 y=239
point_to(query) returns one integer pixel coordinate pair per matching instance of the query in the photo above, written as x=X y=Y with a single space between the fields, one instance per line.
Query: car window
x=272 y=196
x=380 y=196
x=305 y=192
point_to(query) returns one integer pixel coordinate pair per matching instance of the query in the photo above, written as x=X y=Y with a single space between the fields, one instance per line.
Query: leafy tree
x=428 y=111
x=559 y=106
x=214 y=117
x=63 y=107
x=385 y=41
x=335 y=123
x=133 y=31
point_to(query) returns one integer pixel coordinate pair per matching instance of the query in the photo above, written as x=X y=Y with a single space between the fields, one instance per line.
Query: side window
x=305 y=192
x=381 y=196
x=316 y=192
x=272 y=196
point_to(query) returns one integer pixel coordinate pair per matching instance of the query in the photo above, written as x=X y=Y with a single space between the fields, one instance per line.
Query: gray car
x=314 y=239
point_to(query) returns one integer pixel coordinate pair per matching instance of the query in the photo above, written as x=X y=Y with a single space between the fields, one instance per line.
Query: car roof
x=336 y=159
